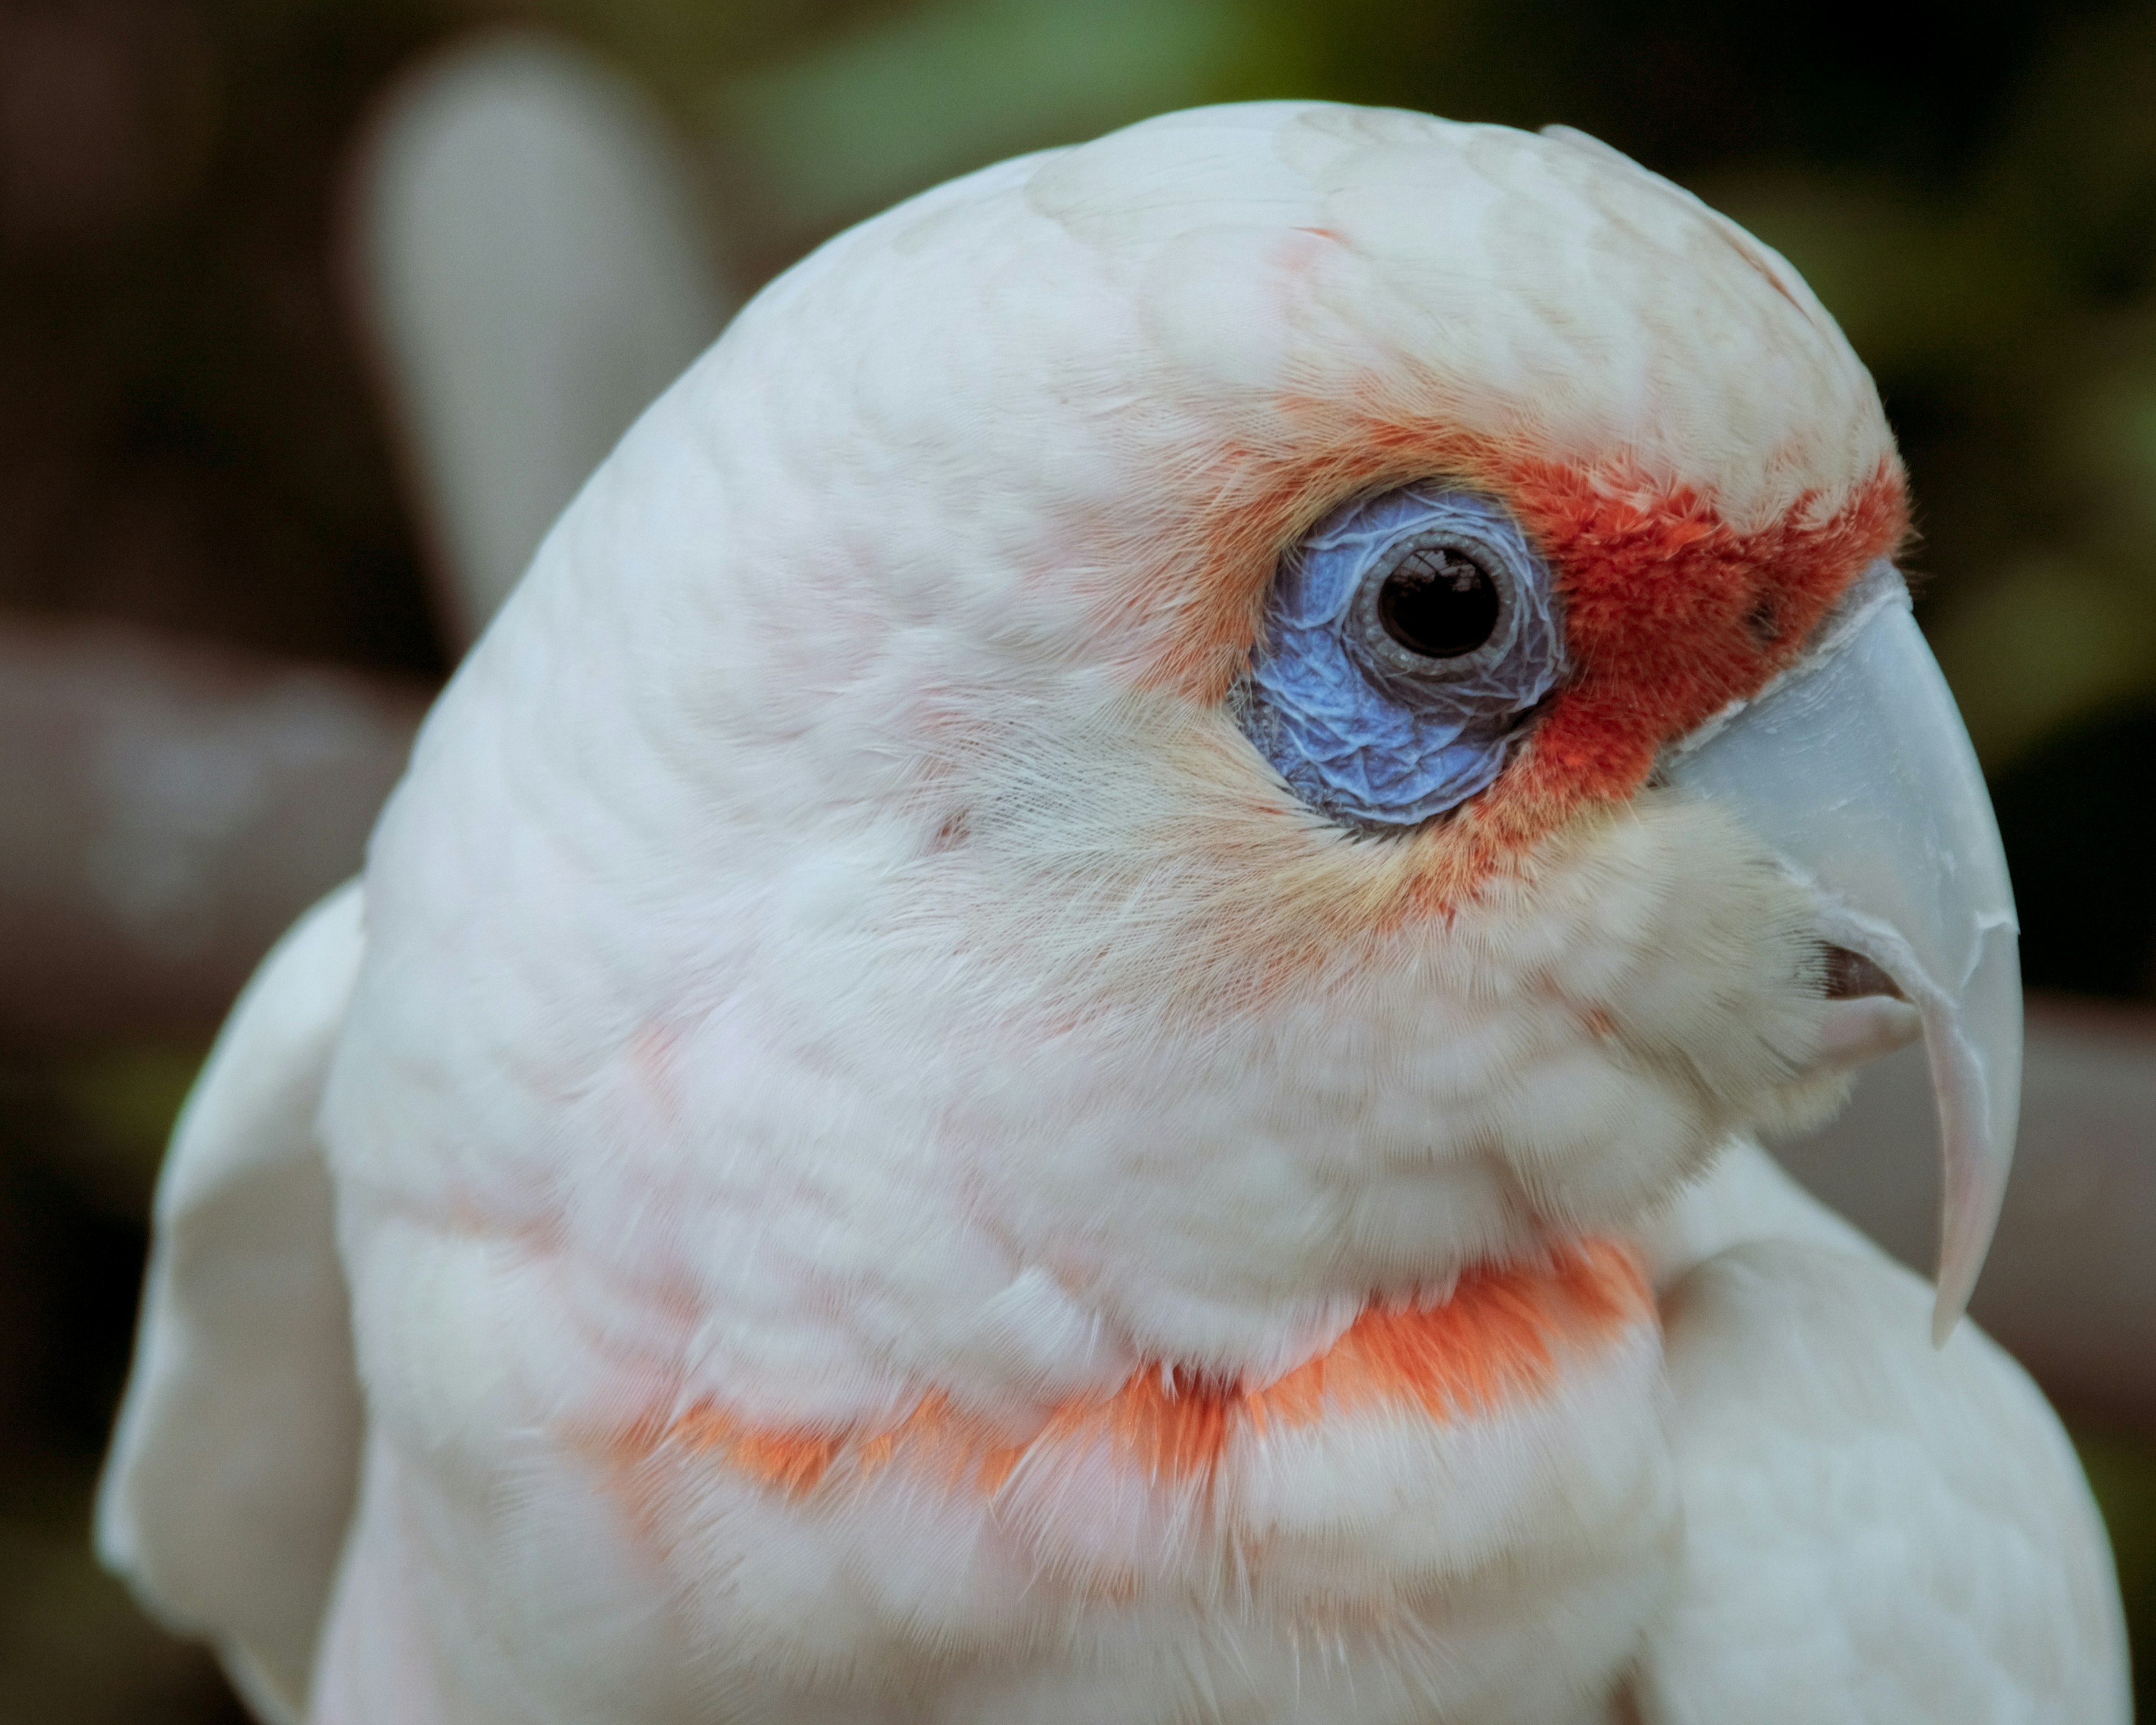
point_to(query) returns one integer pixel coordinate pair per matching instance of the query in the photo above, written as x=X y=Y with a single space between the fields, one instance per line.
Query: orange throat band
x=1501 y=1338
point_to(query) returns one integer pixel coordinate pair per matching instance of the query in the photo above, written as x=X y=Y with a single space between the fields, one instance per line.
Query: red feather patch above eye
x=1500 y=1339
x=1670 y=612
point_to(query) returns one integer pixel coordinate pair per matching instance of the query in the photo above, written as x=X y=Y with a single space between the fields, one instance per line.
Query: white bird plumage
x=878 y=1155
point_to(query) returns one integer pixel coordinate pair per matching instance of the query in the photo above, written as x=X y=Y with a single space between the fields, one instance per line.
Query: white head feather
x=835 y=891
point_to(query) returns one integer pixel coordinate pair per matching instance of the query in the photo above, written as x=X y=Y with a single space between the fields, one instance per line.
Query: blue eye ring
x=1365 y=728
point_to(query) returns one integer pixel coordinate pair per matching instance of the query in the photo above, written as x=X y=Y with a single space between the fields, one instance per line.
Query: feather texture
x=889 y=1169
x=232 y=1471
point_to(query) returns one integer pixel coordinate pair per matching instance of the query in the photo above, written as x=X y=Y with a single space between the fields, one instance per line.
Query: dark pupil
x=1438 y=604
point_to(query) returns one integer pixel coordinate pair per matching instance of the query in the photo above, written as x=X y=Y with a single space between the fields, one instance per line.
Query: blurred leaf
x=127 y=1097
x=888 y=107
x=2076 y=172
x=2122 y=1473
x=2101 y=440
x=2038 y=645
x=1915 y=287
x=679 y=46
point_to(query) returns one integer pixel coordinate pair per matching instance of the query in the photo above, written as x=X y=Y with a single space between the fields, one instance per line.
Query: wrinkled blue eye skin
x=1378 y=736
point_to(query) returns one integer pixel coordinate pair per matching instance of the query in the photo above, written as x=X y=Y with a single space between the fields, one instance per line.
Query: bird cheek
x=1591 y=1137
x=1659 y=982
x=1695 y=957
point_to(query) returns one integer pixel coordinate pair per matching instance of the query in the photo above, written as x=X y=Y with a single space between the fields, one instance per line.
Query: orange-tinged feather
x=1672 y=611
x=1500 y=1339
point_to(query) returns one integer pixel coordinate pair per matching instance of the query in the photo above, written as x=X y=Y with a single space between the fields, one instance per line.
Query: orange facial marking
x=1501 y=1339
x=1670 y=611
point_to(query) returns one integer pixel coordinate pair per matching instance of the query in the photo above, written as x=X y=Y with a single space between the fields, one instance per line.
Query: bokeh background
x=230 y=549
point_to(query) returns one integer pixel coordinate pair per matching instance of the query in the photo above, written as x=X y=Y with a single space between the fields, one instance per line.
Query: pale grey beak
x=1854 y=764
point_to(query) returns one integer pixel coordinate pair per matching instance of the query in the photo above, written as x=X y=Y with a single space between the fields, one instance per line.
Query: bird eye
x=1438 y=602
x=1408 y=639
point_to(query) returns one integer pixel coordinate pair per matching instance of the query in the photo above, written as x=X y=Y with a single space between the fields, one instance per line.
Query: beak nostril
x=1852 y=976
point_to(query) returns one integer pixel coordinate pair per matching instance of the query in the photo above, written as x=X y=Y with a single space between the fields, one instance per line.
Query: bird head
x=1284 y=702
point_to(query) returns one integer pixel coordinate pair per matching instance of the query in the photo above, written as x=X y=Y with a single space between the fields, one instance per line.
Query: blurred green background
x=189 y=447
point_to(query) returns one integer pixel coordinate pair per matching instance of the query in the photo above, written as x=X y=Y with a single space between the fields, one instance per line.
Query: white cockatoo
x=1061 y=1024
